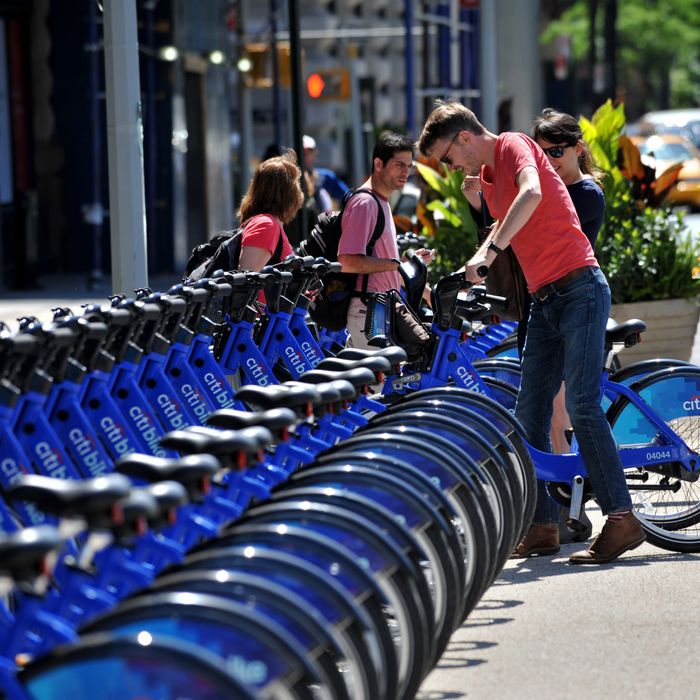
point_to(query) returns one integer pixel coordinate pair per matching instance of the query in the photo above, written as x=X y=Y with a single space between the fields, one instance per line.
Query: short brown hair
x=274 y=189
x=447 y=119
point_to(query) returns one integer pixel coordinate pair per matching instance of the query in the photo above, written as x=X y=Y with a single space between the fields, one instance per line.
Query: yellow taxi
x=661 y=151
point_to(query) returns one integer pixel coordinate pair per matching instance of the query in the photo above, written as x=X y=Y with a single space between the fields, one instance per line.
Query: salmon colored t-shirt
x=551 y=244
x=358 y=222
x=264 y=231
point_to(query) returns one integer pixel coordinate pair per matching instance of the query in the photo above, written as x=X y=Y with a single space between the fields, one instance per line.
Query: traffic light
x=329 y=84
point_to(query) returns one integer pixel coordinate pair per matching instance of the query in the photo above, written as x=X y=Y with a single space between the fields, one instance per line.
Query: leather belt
x=543 y=292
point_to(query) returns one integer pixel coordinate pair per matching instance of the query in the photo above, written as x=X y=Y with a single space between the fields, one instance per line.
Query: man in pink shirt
x=569 y=313
x=392 y=162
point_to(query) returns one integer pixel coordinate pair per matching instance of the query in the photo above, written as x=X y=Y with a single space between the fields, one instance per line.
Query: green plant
x=642 y=246
x=452 y=227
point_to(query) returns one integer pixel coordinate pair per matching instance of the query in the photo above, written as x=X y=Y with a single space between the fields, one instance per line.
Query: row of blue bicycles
x=203 y=498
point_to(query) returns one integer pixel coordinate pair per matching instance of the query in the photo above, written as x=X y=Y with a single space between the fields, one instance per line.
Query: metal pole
x=245 y=108
x=125 y=147
x=410 y=78
x=151 y=143
x=276 y=91
x=93 y=213
x=297 y=115
x=488 y=57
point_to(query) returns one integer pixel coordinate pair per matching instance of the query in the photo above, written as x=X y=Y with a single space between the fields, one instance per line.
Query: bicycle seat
x=133 y=513
x=193 y=472
x=276 y=420
x=23 y=553
x=395 y=354
x=299 y=397
x=168 y=495
x=92 y=499
x=627 y=332
x=359 y=377
x=377 y=364
x=234 y=448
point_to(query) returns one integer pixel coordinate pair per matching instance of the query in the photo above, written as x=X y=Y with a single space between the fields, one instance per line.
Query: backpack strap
x=277 y=253
x=378 y=230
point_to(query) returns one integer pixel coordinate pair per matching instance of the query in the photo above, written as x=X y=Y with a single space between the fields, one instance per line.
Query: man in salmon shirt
x=392 y=163
x=571 y=303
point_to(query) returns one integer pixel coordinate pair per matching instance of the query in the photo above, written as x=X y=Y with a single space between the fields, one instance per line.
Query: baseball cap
x=309 y=142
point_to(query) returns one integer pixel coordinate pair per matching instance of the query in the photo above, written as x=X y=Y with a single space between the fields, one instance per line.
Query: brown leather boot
x=539 y=539
x=613 y=540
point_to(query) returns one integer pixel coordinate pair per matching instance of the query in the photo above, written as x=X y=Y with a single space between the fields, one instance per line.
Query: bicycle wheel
x=258 y=651
x=512 y=448
x=409 y=523
x=366 y=641
x=504 y=369
x=131 y=668
x=471 y=518
x=426 y=425
x=666 y=496
x=350 y=571
x=303 y=622
x=405 y=589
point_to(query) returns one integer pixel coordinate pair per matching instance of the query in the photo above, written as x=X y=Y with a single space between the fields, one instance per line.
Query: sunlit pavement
x=549 y=630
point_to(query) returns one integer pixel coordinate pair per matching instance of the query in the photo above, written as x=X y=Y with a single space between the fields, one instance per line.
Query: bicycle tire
x=673 y=524
x=365 y=637
x=124 y=668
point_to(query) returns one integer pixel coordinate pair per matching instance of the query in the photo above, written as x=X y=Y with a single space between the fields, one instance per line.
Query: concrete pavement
x=547 y=630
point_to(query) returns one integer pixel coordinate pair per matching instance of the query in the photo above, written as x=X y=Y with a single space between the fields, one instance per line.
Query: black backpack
x=330 y=307
x=221 y=252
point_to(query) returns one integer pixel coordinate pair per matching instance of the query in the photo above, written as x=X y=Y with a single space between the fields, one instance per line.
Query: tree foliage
x=658 y=45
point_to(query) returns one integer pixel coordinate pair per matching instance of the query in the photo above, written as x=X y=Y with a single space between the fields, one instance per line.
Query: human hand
x=426 y=254
x=472 y=267
x=471 y=183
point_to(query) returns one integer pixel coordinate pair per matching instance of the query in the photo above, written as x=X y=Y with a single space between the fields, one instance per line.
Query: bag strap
x=277 y=253
x=378 y=228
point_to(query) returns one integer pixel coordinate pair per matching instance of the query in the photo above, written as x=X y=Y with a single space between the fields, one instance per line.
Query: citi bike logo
x=11 y=471
x=310 y=353
x=84 y=446
x=217 y=390
x=171 y=410
x=692 y=404
x=295 y=359
x=257 y=372
x=51 y=460
x=114 y=434
x=145 y=425
x=468 y=379
x=253 y=672
x=194 y=399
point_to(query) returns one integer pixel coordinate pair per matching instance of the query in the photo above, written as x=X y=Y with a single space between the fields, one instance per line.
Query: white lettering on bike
x=659 y=454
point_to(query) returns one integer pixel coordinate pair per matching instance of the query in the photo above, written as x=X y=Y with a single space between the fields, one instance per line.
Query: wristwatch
x=397 y=261
x=492 y=246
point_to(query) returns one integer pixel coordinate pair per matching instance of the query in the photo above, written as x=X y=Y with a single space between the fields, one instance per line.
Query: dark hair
x=274 y=189
x=389 y=144
x=446 y=120
x=561 y=128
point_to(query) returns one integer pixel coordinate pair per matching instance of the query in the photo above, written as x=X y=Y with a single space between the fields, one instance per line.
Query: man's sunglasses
x=556 y=151
x=446 y=158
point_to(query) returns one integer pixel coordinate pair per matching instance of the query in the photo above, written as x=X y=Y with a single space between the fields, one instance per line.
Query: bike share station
x=203 y=498
x=169 y=532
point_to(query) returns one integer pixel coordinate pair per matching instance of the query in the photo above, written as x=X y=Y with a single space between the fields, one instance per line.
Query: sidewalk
x=58 y=291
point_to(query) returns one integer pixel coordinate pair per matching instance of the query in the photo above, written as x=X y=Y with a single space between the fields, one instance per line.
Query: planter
x=671 y=327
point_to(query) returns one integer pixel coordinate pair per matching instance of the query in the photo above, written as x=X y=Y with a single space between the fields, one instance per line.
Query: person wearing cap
x=325 y=181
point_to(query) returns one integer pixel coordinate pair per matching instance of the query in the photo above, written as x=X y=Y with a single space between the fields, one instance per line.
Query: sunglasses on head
x=557 y=151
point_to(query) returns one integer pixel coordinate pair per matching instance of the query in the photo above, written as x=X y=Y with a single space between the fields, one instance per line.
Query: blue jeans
x=565 y=337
